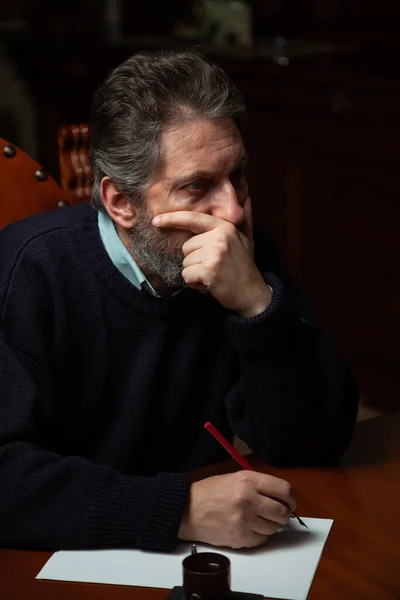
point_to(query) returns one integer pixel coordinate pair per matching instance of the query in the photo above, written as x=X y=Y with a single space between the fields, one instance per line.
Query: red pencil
x=228 y=446
x=238 y=457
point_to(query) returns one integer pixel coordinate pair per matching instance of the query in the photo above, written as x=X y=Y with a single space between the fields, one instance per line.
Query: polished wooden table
x=362 y=556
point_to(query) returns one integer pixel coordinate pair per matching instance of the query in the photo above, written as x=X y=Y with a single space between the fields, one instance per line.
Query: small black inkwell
x=207 y=576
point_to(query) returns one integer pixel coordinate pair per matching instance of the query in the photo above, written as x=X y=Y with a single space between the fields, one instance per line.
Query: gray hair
x=139 y=100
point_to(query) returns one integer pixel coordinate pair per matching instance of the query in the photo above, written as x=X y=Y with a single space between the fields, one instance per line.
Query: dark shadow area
x=375 y=442
x=281 y=540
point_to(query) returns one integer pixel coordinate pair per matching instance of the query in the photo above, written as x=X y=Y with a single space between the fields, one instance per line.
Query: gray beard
x=156 y=250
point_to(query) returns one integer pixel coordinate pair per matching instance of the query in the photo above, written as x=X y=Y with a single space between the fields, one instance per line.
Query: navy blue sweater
x=104 y=390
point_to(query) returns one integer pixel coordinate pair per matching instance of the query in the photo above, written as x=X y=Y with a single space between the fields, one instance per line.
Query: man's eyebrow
x=205 y=174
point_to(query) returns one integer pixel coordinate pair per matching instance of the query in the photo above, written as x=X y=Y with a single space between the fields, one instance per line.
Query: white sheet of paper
x=283 y=568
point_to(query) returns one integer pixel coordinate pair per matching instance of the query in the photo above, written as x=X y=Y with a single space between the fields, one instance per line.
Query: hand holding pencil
x=238 y=457
x=238 y=510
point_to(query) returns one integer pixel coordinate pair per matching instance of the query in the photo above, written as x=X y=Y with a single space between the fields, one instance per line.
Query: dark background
x=324 y=136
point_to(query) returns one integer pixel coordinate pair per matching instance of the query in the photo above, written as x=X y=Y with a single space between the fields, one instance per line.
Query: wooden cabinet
x=328 y=158
x=349 y=242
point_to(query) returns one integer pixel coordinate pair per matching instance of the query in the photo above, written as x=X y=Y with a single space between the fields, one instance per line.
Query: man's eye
x=196 y=185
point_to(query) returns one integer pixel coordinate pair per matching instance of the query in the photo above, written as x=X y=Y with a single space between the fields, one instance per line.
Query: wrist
x=260 y=300
x=185 y=532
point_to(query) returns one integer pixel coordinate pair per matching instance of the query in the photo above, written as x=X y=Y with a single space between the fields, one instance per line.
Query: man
x=123 y=330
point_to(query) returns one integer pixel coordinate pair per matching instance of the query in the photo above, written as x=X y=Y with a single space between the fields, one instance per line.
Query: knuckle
x=245 y=477
x=241 y=498
x=217 y=255
x=221 y=243
x=238 y=520
x=230 y=229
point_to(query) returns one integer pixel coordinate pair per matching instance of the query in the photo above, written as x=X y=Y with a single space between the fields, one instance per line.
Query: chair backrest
x=75 y=170
x=26 y=188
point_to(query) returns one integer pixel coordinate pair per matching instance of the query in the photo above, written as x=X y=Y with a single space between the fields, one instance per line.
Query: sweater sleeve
x=295 y=402
x=48 y=501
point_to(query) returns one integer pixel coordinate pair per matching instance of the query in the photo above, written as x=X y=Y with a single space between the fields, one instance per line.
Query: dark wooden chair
x=26 y=188
x=75 y=170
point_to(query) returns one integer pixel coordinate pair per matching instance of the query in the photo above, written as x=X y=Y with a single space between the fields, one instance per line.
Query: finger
x=194 y=258
x=264 y=526
x=195 y=277
x=272 y=510
x=194 y=243
x=186 y=219
x=277 y=488
x=248 y=219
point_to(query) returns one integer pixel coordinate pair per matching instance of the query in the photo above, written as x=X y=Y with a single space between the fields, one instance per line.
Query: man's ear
x=120 y=209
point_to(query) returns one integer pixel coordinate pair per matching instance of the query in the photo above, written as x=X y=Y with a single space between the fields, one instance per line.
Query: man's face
x=202 y=171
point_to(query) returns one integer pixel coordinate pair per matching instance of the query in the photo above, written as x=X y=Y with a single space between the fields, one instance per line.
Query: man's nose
x=228 y=207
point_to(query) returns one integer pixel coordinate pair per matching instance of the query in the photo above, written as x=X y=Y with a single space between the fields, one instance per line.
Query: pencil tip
x=302 y=523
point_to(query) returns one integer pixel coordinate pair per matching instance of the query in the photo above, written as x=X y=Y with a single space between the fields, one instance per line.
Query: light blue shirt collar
x=120 y=255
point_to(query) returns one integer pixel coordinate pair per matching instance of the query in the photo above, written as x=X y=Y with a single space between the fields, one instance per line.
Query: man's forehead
x=210 y=145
